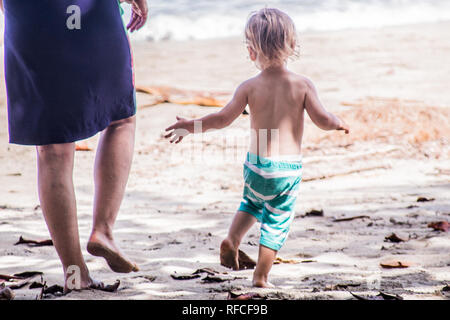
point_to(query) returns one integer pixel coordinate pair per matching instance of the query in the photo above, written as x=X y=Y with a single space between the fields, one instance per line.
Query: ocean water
x=205 y=19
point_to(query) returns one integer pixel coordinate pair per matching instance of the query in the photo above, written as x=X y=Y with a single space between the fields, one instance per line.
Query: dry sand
x=390 y=84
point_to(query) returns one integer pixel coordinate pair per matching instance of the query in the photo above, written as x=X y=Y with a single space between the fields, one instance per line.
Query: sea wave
x=184 y=20
x=207 y=19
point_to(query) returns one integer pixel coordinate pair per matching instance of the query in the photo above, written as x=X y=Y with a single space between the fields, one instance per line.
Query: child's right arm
x=321 y=117
x=213 y=121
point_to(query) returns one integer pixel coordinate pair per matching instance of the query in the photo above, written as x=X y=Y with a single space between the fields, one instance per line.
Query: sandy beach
x=392 y=173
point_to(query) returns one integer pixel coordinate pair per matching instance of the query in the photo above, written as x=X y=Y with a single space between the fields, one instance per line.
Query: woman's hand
x=1 y=5
x=139 y=14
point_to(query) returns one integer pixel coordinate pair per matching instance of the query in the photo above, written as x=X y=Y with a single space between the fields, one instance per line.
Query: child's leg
x=265 y=261
x=229 y=249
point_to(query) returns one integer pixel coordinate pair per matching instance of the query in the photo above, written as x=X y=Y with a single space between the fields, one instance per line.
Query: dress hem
x=75 y=139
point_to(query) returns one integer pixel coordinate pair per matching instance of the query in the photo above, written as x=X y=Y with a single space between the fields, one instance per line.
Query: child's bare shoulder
x=247 y=86
x=301 y=82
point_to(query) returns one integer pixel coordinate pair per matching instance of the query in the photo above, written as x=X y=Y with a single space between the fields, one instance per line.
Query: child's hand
x=343 y=126
x=179 y=130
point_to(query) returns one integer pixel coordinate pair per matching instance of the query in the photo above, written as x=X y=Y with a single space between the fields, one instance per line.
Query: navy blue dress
x=68 y=75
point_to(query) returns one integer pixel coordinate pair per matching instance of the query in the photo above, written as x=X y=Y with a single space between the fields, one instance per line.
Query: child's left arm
x=218 y=120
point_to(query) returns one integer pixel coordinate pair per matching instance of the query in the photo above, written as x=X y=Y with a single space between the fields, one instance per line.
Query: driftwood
x=351 y=218
x=182 y=97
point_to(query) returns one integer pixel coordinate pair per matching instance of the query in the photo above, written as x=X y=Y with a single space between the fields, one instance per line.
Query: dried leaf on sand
x=259 y=296
x=244 y=296
x=6 y=277
x=423 y=199
x=394 y=238
x=395 y=264
x=20 y=276
x=54 y=289
x=380 y=296
x=245 y=262
x=341 y=286
x=82 y=146
x=34 y=243
x=218 y=279
x=18 y=285
x=177 y=276
x=439 y=226
x=209 y=271
x=28 y=274
x=279 y=260
x=314 y=213
x=111 y=287
x=6 y=294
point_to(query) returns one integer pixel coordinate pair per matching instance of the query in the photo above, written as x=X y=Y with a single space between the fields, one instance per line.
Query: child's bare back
x=277 y=99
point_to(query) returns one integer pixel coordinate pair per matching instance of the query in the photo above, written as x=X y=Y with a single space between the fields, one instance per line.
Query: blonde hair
x=271 y=33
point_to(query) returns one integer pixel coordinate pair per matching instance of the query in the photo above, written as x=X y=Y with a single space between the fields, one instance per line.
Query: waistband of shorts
x=283 y=162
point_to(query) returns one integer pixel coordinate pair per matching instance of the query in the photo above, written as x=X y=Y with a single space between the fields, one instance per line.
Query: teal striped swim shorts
x=270 y=193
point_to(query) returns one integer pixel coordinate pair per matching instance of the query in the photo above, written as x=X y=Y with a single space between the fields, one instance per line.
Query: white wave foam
x=220 y=22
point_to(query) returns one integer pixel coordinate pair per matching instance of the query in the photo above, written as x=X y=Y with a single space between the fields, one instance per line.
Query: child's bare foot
x=100 y=245
x=229 y=255
x=260 y=281
x=262 y=284
x=233 y=258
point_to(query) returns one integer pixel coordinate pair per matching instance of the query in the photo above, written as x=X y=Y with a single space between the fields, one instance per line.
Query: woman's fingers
x=132 y=21
x=139 y=14
x=136 y=9
x=135 y=18
x=141 y=23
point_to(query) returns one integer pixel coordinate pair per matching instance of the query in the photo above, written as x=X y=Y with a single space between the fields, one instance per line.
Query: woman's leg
x=230 y=255
x=112 y=168
x=57 y=197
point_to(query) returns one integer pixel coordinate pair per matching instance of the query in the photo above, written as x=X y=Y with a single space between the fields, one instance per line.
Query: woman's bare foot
x=92 y=284
x=85 y=284
x=233 y=258
x=100 y=245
